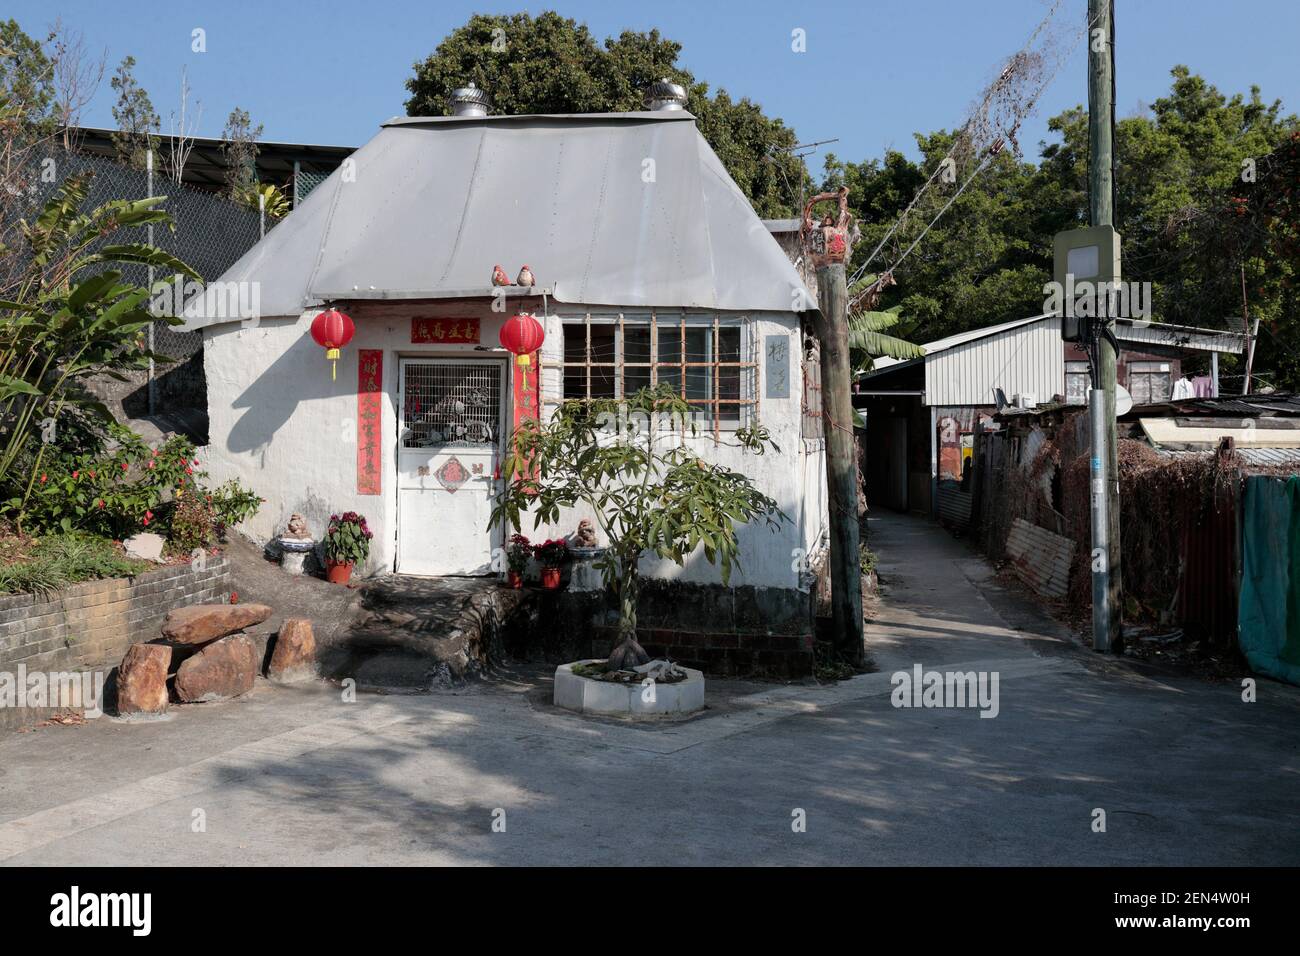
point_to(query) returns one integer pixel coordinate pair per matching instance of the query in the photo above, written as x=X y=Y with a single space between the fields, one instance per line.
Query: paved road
x=1185 y=771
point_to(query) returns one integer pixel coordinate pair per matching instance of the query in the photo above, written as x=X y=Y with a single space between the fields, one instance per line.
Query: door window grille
x=450 y=404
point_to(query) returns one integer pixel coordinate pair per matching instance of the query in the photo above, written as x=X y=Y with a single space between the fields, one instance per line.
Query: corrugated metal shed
x=619 y=209
x=1021 y=358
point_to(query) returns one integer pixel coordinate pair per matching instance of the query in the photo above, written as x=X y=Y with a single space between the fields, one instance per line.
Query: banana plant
x=868 y=340
x=69 y=315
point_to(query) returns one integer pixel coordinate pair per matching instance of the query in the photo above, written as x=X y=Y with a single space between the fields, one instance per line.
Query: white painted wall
x=279 y=424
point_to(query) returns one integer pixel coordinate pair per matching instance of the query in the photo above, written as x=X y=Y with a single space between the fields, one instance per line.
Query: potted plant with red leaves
x=347 y=543
x=551 y=555
x=518 y=551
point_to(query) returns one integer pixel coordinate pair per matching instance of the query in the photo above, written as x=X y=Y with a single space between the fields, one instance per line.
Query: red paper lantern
x=523 y=335
x=332 y=330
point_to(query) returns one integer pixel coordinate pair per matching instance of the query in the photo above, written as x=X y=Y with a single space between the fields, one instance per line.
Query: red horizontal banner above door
x=445 y=331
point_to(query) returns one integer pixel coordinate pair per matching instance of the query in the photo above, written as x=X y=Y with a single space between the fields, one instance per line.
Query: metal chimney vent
x=469 y=100
x=665 y=95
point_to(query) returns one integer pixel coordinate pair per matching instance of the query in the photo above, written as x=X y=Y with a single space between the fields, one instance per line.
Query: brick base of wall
x=721 y=655
x=89 y=626
x=723 y=631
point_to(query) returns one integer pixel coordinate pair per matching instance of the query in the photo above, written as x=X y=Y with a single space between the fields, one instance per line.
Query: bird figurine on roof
x=499 y=276
x=526 y=277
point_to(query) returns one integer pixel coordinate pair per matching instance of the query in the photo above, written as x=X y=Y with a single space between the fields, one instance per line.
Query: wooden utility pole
x=1101 y=212
x=828 y=245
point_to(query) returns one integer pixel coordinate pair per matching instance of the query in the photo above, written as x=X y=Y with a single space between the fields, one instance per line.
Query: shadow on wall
x=298 y=374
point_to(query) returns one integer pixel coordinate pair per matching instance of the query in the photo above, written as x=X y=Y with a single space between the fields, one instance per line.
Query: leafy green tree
x=552 y=64
x=137 y=121
x=648 y=493
x=26 y=76
x=1192 y=225
x=239 y=148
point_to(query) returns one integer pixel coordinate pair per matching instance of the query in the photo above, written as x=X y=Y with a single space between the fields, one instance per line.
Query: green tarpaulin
x=1269 y=616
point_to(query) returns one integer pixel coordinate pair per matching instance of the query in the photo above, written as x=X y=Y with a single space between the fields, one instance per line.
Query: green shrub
x=192 y=524
x=112 y=493
x=231 y=504
x=129 y=488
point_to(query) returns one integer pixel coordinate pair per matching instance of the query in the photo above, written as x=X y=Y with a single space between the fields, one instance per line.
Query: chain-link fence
x=209 y=232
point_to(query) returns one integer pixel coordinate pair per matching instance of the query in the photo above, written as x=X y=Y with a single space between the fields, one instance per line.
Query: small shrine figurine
x=586 y=536
x=297 y=527
x=526 y=277
x=499 y=276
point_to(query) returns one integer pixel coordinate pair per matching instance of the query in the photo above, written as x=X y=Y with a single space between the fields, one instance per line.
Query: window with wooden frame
x=705 y=359
x=1149 y=382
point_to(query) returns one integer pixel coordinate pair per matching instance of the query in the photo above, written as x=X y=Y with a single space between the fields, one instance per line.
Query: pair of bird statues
x=499 y=277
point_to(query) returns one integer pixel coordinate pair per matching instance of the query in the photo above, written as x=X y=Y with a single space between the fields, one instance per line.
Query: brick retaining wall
x=89 y=626
x=723 y=631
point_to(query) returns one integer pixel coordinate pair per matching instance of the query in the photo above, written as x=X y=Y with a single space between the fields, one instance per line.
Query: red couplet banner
x=370 y=421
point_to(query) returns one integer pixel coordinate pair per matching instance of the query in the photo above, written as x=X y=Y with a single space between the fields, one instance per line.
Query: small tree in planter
x=347 y=543
x=647 y=491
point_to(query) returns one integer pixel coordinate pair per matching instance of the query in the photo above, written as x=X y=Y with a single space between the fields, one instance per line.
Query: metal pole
x=1101 y=212
x=153 y=385
x=1099 y=424
x=1250 y=358
x=261 y=214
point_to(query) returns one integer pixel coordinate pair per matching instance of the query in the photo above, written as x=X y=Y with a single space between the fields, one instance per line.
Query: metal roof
x=621 y=209
x=1159 y=334
x=206 y=165
x=1256 y=457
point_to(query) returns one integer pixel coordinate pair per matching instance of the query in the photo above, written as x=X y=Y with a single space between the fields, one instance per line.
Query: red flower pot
x=514 y=579
x=338 y=572
x=551 y=578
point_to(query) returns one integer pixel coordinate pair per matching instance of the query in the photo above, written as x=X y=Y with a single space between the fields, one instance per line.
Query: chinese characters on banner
x=445 y=331
x=370 y=426
x=525 y=404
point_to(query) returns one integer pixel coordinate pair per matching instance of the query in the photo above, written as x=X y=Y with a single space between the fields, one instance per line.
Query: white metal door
x=449 y=439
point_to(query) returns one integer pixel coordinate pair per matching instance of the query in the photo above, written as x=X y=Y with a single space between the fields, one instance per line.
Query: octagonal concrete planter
x=587 y=696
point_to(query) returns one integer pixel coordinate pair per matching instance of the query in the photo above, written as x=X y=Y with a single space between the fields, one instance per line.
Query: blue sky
x=875 y=71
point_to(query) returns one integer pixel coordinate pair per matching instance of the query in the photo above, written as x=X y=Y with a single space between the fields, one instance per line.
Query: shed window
x=702 y=359
x=1077 y=383
x=1149 y=382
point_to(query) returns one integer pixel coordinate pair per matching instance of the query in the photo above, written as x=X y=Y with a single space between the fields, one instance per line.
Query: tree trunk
x=627 y=653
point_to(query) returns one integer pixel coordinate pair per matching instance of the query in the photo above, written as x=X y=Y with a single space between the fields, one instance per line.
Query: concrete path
x=1185 y=771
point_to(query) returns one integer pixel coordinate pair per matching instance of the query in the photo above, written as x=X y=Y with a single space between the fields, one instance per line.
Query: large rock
x=142 y=679
x=200 y=623
x=224 y=669
x=294 y=656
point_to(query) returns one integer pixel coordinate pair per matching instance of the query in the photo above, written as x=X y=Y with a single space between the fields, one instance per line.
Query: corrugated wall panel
x=1025 y=360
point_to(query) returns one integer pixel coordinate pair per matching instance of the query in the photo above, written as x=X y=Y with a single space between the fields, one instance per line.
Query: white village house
x=647 y=257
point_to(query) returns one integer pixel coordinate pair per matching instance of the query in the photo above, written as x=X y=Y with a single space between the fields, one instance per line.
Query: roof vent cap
x=469 y=100
x=665 y=95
